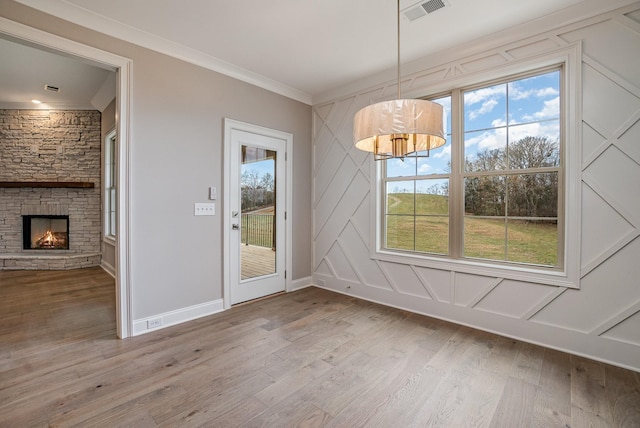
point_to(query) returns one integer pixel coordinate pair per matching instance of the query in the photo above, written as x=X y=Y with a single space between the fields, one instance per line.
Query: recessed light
x=36 y=101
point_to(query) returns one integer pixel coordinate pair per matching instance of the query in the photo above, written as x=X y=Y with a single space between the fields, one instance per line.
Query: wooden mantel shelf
x=49 y=184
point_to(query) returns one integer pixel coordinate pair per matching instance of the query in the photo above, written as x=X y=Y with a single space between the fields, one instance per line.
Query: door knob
x=235 y=227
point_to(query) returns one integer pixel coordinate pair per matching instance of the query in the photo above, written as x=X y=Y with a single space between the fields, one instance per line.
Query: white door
x=256 y=213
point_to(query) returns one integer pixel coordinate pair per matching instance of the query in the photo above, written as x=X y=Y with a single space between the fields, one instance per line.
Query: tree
x=257 y=190
x=523 y=195
x=250 y=184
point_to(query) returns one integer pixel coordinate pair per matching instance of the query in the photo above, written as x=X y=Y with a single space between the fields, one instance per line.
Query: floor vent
x=424 y=8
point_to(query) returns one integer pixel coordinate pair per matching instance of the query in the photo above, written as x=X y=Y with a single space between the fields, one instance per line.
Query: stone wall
x=42 y=145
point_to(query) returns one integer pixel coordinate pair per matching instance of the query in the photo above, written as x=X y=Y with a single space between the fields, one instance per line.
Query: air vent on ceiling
x=424 y=8
x=51 y=88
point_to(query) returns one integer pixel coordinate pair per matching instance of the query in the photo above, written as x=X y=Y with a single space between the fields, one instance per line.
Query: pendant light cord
x=398 y=38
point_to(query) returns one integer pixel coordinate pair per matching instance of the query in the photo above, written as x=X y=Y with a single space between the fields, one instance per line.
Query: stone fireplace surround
x=51 y=146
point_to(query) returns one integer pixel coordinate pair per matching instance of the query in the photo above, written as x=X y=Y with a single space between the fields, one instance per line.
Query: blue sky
x=526 y=107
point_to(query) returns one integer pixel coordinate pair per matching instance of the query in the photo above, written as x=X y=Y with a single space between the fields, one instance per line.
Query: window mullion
x=456 y=181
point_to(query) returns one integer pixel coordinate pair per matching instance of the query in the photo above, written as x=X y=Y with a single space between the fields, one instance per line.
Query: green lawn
x=530 y=242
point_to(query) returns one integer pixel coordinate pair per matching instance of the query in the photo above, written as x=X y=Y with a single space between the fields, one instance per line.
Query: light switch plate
x=204 y=209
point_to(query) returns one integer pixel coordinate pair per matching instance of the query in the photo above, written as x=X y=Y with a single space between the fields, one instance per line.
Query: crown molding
x=93 y=21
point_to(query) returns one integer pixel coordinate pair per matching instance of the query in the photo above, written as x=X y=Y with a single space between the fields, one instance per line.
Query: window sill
x=109 y=240
x=548 y=276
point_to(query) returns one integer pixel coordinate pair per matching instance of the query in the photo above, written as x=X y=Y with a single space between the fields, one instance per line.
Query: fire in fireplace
x=45 y=232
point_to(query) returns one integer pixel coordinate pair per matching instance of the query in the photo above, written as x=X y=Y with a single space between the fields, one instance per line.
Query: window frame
x=568 y=59
x=110 y=172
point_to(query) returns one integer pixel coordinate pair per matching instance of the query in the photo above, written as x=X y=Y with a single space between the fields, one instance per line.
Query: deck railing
x=257 y=229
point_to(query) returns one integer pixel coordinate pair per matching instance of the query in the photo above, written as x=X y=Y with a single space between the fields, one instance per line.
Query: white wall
x=602 y=318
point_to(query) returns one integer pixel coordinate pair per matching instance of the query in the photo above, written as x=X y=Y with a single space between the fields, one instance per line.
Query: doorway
x=256 y=199
x=122 y=66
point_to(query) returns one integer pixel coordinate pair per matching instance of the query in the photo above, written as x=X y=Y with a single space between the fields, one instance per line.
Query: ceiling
x=23 y=78
x=302 y=48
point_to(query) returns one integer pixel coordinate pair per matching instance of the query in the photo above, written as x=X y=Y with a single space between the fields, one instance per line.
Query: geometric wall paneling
x=430 y=78
x=601 y=38
x=338 y=113
x=534 y=48
x=357 y=253
x=323 y=112
x=328 y=233
x=627 y=330
x=340 y=264
x=618 y=177
x=340 y=183
x=593 y=144
x=615 y=33
x=437 y=282
x=631 y=88
x=323 y=269
x=482 y=63
x=629 y=142
x=633 y=16
x=469 y=289
x=324 y=138
x=341 y=110
x=602 y=227
x=360 y=221
x=405 y=280
x=604 y=100
x=601 y=296
x=327 y=169
x=513 y=298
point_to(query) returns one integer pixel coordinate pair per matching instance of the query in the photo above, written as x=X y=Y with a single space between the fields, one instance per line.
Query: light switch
x=205 y=209
x=213 y=193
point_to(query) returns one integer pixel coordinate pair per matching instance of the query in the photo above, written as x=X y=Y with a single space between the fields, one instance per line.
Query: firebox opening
x=45 y=232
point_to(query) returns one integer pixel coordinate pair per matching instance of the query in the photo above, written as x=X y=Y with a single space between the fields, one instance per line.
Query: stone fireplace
x=50 y=172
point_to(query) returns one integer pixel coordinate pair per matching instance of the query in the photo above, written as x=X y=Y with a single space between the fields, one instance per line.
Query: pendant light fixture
x=397 y=128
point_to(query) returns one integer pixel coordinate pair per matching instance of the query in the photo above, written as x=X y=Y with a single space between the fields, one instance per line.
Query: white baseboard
x=298 y=284
x=108 y=268
x=178 y=316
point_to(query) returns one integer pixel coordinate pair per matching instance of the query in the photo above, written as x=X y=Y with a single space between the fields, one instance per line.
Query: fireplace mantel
x=48 y=184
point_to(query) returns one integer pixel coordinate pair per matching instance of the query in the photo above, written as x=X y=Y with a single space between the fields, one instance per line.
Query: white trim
x=299 y=284
x=570 y=57
x=178 y=316
x=229 y=125
x=73 y=13
x=111 y=270
x=106 y=204
x=123 y=99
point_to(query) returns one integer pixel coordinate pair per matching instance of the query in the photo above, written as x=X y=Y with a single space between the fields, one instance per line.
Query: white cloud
x=550 y=130
x=444 y=153
x=424 y=169
x=494 y=139
x=481 y=95
x=550 y=109
x=486 y=107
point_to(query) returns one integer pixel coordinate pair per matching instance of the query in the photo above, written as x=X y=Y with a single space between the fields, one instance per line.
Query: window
x=493 y=195
x=109 y=214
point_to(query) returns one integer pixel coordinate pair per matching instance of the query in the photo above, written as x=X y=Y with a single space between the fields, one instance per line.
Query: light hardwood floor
x=308 y=358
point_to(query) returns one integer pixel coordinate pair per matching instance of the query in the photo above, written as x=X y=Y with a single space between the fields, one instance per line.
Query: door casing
x=229 y=126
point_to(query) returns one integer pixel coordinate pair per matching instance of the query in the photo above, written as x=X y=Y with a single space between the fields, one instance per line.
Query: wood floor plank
x=588 y=389
x=309 y=358
x=515 y=408
x=623 y=394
